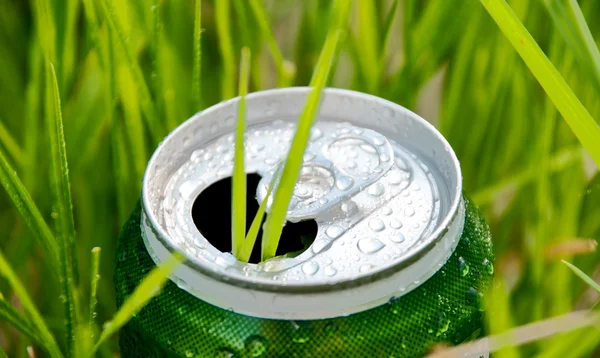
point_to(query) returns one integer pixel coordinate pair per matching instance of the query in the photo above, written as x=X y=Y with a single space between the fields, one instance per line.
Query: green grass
x=514 y=87
x=238 y=205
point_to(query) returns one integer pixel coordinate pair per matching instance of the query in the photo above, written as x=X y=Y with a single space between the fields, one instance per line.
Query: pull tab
x=335 y=168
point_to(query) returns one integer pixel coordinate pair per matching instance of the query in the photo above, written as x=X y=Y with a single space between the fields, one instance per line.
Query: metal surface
x=382 y=184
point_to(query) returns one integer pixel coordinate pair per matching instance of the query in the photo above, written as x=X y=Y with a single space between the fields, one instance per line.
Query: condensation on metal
x=382 y=184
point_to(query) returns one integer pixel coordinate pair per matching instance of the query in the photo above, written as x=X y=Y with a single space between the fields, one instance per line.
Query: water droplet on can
x=463 y=267
x=395 y=178
x=365 y=268
x=394 y=305
x=488 y=266
x=187 y=189
x=310 y=268
x=370 y=246
x=330 y=271
x=344 y=183
x=224 y=353
x=376 y=189
x=395 y=224
x=376 y=225
x=319 y=245
x=255 y=346
x=398 y=238
x=334 y=231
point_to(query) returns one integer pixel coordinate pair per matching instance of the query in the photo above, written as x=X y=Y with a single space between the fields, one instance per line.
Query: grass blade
x=387 y=28
x=16 y=319
x=226 y=47
x=133 y=122
x=576 y=116
x=238 y=214
x=567 y=16
x=37 y=320
x=12 y=148
x=94 y=278
x=368 y=38
x=524 y=334
x=499 y=319
x=276 y=219
x=285 y=70
x=146 y=102
x=583 y=276
x=246 y=250
x=27 y=208
x=196 y=84
x=558 y=162
x=62 y=193
x=143 y=293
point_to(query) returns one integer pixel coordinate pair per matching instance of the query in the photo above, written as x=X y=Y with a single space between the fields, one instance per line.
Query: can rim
x=289 y=287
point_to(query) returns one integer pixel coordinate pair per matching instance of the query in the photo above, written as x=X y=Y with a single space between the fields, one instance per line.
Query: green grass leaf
x=246 y=250
x=30 y=212
x=283 y=194
x=558 y=162
x=94 y=279
x=44 y=333
x=146 y=103
x=387 y=29
x=16 y=319
x=150 y=286
x=569 y=20
x=196 y=83
x=583 y=276
x=61 y=188
x=10 y=145
x=285 y=70
x=368 y=38
x=238 y=214
x=576 y=116
x=223 y=15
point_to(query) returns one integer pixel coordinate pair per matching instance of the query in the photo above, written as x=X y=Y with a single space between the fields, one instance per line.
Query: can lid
x=382 y=184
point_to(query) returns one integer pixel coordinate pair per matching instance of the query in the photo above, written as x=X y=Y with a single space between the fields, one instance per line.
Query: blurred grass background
x=128 y=72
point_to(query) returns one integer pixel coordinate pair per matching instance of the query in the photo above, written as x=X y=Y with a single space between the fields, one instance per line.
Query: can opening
x=211 y=213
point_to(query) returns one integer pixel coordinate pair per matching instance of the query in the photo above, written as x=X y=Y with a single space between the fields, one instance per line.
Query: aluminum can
x=382 y=255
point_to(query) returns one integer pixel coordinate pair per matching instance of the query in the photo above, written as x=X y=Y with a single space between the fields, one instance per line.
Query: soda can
x=381 y=256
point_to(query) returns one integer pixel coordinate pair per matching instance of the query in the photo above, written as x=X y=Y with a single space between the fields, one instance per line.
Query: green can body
x=445 y=309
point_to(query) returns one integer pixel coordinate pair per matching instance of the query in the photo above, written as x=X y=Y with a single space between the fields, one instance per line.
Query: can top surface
x=382 y=184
